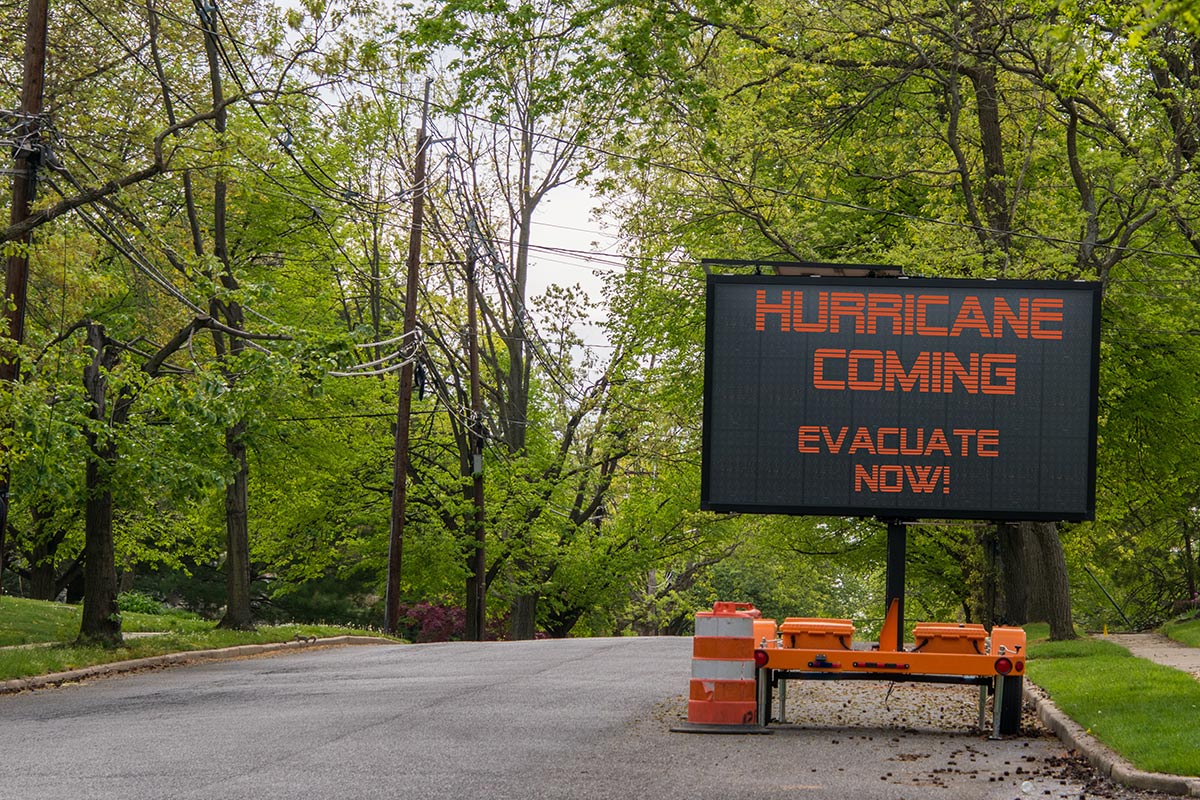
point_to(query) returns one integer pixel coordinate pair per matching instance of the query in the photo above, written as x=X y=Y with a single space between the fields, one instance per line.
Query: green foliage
x=1148 y=478
x=808 y=132
x=347 y=596
x=744 y=128
x=137 y=602
x=1158 y=13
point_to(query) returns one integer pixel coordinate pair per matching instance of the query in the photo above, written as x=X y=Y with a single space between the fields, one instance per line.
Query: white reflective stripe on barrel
x=708 y=669
x=724 y=626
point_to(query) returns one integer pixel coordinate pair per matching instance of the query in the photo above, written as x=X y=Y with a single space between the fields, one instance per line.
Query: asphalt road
x=575 y=719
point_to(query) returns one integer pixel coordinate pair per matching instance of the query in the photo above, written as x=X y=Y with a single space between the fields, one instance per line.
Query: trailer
x=808 y=649
x=854 y=390
x=742 y=663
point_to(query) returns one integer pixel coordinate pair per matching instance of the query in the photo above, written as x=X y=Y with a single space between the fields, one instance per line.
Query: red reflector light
x=1004 y=665
x=760 y=658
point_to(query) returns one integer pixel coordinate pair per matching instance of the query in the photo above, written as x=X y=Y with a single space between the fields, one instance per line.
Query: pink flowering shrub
x=427 y=622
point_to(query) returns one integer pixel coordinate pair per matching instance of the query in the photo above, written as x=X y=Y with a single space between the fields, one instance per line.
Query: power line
x=613 y=261
x=325 y=188
x=745 y=185
x=705 y=177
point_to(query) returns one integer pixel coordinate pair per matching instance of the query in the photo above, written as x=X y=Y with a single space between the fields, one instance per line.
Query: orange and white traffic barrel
x=722 y=686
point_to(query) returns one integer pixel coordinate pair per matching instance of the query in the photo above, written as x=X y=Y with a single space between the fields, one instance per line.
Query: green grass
x=1187 y=632
x=31 y=621
x=1148 y=713
x=27 y=621
x=52 y=627
x=1037 y=631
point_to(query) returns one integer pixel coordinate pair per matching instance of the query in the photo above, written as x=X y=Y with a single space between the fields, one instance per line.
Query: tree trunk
x=237 y=537
x=101 y=620
x=523 y=609
x=1050 y=597
x=1032 y=583
x=43 y=581
x=560 y=625
x=476 y=600
x=523 y=624
x=1012 y=586
x=472 y=453
x=991 y=145
x=43 y=575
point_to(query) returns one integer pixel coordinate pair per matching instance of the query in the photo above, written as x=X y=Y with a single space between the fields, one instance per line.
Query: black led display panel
x=901 y=398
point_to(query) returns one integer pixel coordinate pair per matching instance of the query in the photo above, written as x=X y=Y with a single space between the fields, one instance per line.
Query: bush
x=426 y=622
x=139 y=603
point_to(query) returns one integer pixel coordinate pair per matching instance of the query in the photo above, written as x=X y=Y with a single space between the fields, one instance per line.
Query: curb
x=174 y=659
x=1105 y=761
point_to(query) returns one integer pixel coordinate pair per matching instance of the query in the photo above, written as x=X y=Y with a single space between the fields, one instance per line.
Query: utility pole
x=477 y=583
x=391 y=616
x=27 y=155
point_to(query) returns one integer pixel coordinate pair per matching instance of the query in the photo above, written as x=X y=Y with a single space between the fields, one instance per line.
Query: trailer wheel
x=1010 y=706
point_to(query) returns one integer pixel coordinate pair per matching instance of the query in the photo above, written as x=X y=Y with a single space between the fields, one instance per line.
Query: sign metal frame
x=952 y=509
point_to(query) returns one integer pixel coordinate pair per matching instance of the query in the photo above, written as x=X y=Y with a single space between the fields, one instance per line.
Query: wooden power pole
x=477 y=583
x=27 y=153
x=391 y=616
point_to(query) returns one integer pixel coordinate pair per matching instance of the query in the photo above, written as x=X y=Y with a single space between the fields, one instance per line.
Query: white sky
x=567 y=220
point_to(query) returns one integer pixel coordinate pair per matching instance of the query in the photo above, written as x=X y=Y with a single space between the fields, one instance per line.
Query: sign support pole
x=897 y=535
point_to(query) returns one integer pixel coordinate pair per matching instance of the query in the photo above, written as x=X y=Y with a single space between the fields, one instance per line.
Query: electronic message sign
x=901 y=398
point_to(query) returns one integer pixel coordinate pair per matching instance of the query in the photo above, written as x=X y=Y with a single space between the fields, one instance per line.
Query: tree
x=531 y=86
x=151 y=68
x=920 y=135
x=108 y=411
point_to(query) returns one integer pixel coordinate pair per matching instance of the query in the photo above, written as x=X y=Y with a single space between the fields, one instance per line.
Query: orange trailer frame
x=943 y=653
x=951 y=653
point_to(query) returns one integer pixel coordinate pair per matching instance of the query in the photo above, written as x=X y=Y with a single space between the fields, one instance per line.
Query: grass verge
x=1186 y=632
x=50 y=629
x=1148 y=713
x=25 y=621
